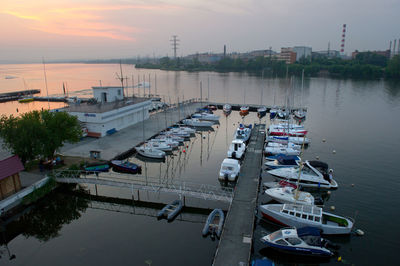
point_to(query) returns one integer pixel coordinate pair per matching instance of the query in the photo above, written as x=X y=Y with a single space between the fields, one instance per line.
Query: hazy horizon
x=105 y=29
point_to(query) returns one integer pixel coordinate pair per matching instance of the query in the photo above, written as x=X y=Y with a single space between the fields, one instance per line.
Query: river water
x=358 y=119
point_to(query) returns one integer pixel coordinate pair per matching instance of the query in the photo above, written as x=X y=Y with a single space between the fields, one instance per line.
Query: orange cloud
x=79 y=20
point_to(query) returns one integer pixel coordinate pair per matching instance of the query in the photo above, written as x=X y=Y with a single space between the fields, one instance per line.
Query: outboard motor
x=226 y=176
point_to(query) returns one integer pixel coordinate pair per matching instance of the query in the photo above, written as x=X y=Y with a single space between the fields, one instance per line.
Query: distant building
x=385 y=53
x=111 y=113
x=10 y=182
x=206 y=57
x=302 y=52
x=326 y=54
x=287 y=54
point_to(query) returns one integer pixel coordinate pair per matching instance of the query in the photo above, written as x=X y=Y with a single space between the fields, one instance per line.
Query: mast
x=45 y=80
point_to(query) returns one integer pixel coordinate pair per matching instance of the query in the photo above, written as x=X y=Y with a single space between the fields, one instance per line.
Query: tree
x=38 y=133
x=393 y=68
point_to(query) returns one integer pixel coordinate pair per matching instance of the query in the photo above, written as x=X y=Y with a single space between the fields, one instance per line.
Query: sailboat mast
x=45 y=80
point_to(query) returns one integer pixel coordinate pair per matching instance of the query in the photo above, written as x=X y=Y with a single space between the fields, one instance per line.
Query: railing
x=152 y=184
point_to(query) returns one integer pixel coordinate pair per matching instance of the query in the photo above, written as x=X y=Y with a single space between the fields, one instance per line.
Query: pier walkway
x=125 y=140
x=234 y=247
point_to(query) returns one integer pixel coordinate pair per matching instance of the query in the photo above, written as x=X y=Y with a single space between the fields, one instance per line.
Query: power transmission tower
x=174 y=42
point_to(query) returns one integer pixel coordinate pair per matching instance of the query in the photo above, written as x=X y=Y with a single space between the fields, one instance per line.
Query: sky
x=100 y=29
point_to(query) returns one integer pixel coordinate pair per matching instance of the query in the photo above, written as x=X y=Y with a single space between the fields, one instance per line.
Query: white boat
x=301 y=241
x=236 y=149
x=184 y=128
x=283 y=161
x=281 y=150
x=307 y=215
x=299 y=114
x=170 y=137
x=159 y=146
x=168 y=141
x=285 y=126
x=227 y=109
x=206 y=117
x=243 y=132
x=279 y=145
x=285 y=139
x=296 y=132
x=177 y=132
x=194 y=122
x=150 y=152
x=290 y=195
x=314 y=174
x=230 y=169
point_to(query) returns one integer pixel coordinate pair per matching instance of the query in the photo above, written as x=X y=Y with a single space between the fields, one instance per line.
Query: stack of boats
x=230 y=166
x=297 y=208
x=202 y=119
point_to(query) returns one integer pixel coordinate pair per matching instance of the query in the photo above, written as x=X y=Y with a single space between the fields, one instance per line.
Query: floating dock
x=234 y=247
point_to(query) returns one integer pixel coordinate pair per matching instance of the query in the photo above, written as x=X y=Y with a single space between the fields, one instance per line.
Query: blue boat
x=213 y=225
x=100 y=167
x=171 y=210
x=126 y=167
x=305 y=241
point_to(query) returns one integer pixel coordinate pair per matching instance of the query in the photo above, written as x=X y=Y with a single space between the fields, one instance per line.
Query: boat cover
x=307 y=231
x=287 y=159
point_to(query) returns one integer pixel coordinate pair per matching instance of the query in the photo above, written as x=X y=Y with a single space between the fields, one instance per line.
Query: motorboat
x=97 y=167
x=283 y=161
x=170 y=137
x=236 y=149
x=227 y=109
x=261 y=112
x=281 y=114
x=162 y=146
x=170 y=211
x=280 y=145
x=126 y=167
x=176 y=132
x=206 y=117
x=281 y=150
x=214 y=223
x=286 y=139
x=189 y=130
x=272 y=112
x=275 y=184
x=302 y=241
x=194 y=122
x=289 y=194
x=314 y=174
x=300 y=114
x=230 y=169
x=307 y=215
x=243 y=132
x=212 y=107
x=244 y=110
x=148 y=151
x=290 y=132
x=167 y=141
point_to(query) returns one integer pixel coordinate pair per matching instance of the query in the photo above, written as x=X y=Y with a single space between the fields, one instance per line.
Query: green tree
x=393 y=68
x=38 y=133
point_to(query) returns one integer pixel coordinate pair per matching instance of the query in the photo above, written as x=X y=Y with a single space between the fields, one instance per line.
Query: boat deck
x=234 y=247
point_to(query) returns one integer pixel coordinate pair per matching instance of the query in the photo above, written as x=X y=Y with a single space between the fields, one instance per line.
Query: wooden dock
x=234 y=247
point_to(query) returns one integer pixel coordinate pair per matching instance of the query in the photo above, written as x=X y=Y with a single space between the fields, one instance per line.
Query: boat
x=281 y=150
x=313 y=174
x=150 y=152
x=286 y=139
x=285 y=132
x=206 y=117
x=227 y=109
x=307 y=215
x=230 y=169
x=280 y=145
x=182 y=127
x=214 y=223
x=204 y=110
x=289 y=194
x=174 y=144
x=212 y=107
x=283 y=161
x=126 y=167
x=194 y=122
x=243 y=132
x=171 y=210
x=275 y=184
x=302 y=241
x=272 y=112
x=97 y=167
x=244 y=110
x=282 y=114
x=176 y=132
x=300 y=114
x=159 y=146
x=26 y=99
x=236 y=149
x=261 y=112
x=170 y=137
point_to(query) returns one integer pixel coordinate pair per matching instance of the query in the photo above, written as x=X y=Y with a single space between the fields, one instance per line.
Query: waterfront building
x=302 y=52
x=110 y=111
x=10 y=182
x=287 y=54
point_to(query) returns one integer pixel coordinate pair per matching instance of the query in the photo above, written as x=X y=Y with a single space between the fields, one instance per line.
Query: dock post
x=138 y=195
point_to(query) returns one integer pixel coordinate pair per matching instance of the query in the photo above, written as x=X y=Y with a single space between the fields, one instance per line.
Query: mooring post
x=138 y=195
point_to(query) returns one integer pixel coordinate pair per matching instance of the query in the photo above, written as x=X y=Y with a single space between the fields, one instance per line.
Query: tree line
x=366 y=65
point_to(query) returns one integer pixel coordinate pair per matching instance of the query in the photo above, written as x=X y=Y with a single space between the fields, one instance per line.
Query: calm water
x=358 y=119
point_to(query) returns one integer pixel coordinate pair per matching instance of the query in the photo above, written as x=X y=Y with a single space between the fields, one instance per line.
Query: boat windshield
x=275 y=235
x=227 y=167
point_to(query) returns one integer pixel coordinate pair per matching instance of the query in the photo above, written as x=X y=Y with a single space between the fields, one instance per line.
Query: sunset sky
x=89 y=29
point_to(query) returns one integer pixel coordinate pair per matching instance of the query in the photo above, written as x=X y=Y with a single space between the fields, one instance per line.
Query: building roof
x=10 y=166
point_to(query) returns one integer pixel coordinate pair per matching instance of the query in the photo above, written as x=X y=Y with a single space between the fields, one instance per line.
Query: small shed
x=10 y=181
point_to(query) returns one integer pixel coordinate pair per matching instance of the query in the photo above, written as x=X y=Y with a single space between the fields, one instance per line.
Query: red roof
x=10 y=166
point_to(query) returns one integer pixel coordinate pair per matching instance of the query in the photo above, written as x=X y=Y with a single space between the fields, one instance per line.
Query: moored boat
x=283 y=161
x=194 y=122
x=302 y=241
x=243 y=132
x=261 y=112
x=236 y=149
x=244 y=110
x=230 y=169
x=206 y=117
x=289 y=194
x=307 y=215
x=214 y=223
x=98 y=167
x=227 y=109
x=150 y=152
x=126 y=167
x=171 y=210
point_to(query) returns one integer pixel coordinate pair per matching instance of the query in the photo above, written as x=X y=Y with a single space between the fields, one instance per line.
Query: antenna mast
x=175 y=43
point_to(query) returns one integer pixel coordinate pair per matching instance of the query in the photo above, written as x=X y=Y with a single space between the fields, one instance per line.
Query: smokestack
x=224 y=50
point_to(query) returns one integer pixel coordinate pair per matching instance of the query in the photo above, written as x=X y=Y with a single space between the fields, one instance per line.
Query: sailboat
x=26 y=98
x=244 y=110
x=262 y=111
x=300 y=114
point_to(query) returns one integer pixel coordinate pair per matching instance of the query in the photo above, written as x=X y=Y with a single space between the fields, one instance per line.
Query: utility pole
x=175 y=43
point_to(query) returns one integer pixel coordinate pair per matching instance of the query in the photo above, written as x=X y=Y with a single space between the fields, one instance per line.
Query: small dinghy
x=303 y=241
x=261 y=112
x=126 y=167
x=97 y=167
x=213 y=225
x=171 y=210
x=227 y=109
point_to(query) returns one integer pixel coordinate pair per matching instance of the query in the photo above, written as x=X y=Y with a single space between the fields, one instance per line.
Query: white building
x=302 y=52
x=111 y=113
